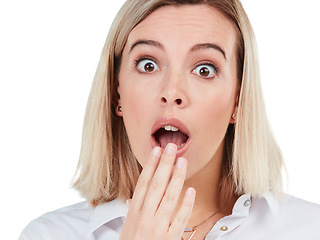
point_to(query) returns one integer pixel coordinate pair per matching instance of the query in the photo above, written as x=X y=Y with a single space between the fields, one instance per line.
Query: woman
x=176 y=143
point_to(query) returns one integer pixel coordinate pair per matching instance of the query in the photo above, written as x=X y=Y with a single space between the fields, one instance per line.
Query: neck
x=207 y=185
x=207 y=195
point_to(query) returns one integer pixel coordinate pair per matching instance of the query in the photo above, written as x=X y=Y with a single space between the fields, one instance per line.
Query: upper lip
x=165 y=121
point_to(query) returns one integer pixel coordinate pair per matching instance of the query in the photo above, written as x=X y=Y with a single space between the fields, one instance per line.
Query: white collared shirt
x=252 y=219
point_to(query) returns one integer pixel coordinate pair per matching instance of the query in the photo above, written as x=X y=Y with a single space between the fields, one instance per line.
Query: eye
x=205 y=70
x=147 y=65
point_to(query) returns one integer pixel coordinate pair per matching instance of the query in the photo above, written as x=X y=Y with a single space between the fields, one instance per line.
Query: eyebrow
x=146 y=42
x=196 y=47
x=201 y=46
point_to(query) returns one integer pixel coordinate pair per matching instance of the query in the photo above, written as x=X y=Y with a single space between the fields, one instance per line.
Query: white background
x=49 y=51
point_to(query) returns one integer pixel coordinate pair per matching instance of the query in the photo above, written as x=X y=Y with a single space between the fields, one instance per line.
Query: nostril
x=178 y=101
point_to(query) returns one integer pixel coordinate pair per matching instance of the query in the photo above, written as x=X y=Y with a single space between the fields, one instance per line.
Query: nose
x=177 y=101
x=174 y=91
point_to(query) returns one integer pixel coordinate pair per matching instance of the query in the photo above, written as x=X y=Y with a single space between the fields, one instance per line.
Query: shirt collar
x=105 y=213
x=242 y=205
x=272 y=203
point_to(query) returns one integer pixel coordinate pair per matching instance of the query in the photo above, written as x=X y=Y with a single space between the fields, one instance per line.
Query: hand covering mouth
x=170 y=134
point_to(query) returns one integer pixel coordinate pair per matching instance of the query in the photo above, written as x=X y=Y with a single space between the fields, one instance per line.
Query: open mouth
x=170 y=134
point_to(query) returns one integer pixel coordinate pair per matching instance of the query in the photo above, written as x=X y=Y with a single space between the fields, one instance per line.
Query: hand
x=155 y=199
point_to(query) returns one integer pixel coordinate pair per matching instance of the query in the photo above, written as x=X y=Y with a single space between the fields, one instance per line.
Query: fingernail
x=170 y=148
x=156 y=152
x=180 y=162
x=190 y=192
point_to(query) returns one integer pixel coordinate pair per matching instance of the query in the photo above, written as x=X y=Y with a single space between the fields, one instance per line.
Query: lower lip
x=180 y=151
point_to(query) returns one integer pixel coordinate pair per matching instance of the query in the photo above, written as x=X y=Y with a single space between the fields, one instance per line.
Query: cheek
x=137 y=103
x=217 y=110
x=131 y=97
x=223 y=106
x=219 y=105
x=136 y=107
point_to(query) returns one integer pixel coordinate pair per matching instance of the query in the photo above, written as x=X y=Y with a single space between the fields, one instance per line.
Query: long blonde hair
x=107 y=168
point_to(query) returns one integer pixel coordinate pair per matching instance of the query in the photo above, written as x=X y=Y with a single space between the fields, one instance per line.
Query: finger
x=181 y=219
x=145 y=179
x=172 y=194
x=160 y=179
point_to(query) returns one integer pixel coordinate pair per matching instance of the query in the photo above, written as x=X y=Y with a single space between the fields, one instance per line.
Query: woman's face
x=178 y=83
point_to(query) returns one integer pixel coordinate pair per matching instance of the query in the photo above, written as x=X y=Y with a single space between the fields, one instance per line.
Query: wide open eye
x=205 y=70
x=147 y=65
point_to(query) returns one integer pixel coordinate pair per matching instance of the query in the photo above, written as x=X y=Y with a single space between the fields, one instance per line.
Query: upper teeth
x=171 y=128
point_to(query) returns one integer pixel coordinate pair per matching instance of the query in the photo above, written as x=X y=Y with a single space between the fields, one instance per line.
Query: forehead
x=194 y=23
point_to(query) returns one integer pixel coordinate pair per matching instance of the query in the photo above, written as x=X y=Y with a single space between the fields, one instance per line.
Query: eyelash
x=215 y=68
x=139 y=60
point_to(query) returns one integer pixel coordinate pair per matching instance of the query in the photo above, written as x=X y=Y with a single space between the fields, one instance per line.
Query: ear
x=233 y=118
x=117 y=104
x=118 y=110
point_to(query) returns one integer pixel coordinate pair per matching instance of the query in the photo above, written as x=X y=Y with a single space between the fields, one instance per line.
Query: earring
x=118 y=111
x=234 y=116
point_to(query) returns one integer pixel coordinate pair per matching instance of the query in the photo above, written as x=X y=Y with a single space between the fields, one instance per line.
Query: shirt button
x=247 y=203
x=224 y=228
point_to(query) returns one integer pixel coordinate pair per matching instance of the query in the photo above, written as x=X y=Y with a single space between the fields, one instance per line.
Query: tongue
x=164 y=137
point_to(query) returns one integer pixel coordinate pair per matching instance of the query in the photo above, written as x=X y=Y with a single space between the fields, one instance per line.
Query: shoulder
x=299 y=209
x=63 y=223
x=279 y=219
x=300 y=218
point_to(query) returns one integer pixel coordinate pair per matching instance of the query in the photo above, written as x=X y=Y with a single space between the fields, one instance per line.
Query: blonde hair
x=107 y=168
